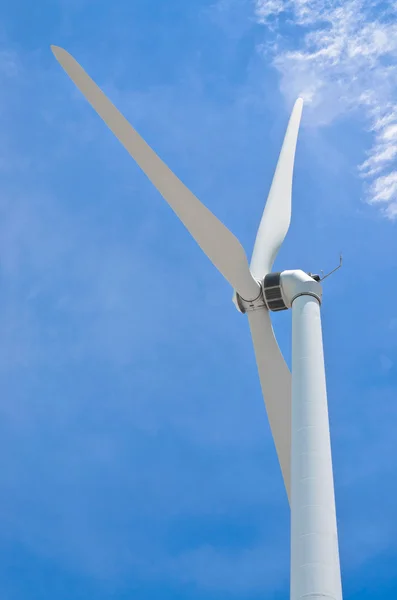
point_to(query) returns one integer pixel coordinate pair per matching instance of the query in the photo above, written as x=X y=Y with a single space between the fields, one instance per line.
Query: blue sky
x=137 y=460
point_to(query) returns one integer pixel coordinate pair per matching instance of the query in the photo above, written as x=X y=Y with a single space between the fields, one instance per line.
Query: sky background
x=136 y=457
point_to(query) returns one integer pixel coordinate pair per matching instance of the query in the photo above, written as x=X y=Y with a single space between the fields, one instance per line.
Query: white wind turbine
x=296 y=406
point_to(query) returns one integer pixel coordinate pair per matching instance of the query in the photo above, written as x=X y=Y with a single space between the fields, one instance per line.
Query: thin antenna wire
x=333 y=271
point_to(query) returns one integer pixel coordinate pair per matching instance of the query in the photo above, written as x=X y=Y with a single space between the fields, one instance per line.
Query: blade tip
x=58 y=52
x=298 y=108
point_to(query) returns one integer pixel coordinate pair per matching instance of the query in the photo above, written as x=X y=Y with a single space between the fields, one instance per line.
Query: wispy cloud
x=341 y=56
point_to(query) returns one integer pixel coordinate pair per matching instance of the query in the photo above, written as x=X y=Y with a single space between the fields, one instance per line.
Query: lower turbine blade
x=275 y=379
x=216 y=241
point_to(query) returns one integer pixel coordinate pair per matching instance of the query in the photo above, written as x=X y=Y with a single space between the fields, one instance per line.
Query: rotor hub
x=244 y=306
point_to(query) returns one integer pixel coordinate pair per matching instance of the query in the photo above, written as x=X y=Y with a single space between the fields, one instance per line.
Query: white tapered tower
x=315 y=569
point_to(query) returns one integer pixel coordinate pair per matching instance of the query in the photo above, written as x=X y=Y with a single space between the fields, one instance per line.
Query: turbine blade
x=216 y=241
x=276 y=217
x=275 y=379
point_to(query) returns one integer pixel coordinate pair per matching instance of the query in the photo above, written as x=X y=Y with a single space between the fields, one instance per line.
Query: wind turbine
x=296 y=406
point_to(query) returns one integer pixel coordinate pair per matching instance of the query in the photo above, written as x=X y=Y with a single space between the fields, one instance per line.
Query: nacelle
x=279 y=290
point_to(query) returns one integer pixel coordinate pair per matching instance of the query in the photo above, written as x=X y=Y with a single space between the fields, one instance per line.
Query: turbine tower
x=296 y=405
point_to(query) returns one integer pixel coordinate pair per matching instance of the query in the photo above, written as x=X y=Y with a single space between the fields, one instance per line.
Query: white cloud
x=341 y=57
x=264 y=10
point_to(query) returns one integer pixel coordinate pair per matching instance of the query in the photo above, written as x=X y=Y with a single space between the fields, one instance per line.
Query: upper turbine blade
x=275 y=379
x=277 y=214
x=218 y=243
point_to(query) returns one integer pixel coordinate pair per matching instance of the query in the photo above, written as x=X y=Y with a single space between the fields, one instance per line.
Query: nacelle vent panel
x=272 y=292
